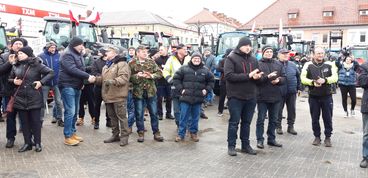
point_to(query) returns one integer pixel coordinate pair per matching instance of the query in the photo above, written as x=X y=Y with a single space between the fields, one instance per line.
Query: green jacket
x=140 y=83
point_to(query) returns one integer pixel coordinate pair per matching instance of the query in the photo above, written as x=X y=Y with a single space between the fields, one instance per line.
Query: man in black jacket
x=363 y=82
x=318 y=75
x=269 y=96
x=7 y=88
x=241 y=73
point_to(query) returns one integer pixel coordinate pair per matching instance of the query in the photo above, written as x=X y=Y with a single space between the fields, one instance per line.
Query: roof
x=137 y=17
x=205 y=16
x=309 y=14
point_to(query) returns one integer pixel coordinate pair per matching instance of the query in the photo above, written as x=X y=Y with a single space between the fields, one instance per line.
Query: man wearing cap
x=71 y=76
x=144 y=72
x=175 y=61
x=269 y=96
x=241 y=74
x=7 y=89
x=51 y=57
x=115 y=85
x=318 y=75
x=289 y=90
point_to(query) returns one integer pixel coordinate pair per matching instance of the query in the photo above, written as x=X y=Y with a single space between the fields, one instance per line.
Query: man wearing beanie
x=6 y=61
x=51 y=57
x=71 y=76
x=241 y=74
x=193 y=81
x=269 y=96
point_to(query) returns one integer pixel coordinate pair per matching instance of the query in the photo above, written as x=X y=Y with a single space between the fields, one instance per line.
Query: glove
x=109 y=82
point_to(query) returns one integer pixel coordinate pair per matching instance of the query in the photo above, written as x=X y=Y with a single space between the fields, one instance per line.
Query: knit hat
x=266 y=47
x=244 y=41
x=196 y=54
x=27 y=50
x=75 y=41
x=49 y=44
x=24 y=41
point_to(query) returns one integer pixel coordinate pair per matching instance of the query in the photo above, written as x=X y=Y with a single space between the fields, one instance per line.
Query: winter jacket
x=52 y=61
x=6 y=88
x=210 y=62
x=192 y=80
x=363 y=82
x=238 y=65
x=161 y=61
x=28 y=97
x=268 y=92
x=72 y=69
x=293 y=83
x=347 y=76
x=119 y=74
x=172 y=65
x=97 y=65
x=312 y=71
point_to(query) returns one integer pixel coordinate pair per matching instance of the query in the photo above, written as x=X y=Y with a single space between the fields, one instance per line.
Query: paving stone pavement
x=207 y=158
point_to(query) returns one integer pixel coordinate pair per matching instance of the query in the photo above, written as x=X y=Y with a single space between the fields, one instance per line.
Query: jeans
x=11 y=122
x=240 y=110
x=87 y=96
x=289 y=100
x=130 y=109
x=31 y=121
x=189 y=117
x=57 y=110
x=164 y=92
x=316 y=104
x=222 y=98
x=70 y=97
x=139 y=112
x=273 y=110
x=176 y=104
x=209 y=97
x=365 y=135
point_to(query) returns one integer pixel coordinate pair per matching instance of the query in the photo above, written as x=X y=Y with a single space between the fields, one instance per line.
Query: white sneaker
x=346 y=114
x=219 y=114
x=352 y=113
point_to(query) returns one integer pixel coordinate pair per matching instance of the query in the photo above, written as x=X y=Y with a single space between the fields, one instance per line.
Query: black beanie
x=75 y=41
x=266 y=47
x=244 y=41
x=27 y=50
x=24 y=41
x=196 y=54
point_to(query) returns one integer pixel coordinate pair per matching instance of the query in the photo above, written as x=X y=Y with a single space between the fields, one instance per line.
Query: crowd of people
x=128 y=84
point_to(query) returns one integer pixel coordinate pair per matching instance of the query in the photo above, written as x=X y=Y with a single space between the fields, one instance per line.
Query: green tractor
x=3 y=40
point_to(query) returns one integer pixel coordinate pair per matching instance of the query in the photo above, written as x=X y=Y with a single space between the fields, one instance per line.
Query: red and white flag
x=93 y=16
x=73 y=17
x=280 y=32
x=253 y=27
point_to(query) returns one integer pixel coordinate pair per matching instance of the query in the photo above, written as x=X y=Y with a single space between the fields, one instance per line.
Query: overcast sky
x=242 y=10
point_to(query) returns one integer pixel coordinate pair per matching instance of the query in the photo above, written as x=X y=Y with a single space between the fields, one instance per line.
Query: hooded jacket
x=52 y=61
x=72 y=69
x=192 y=80
x=28 y=97
x=119 y=74
x=237 y=67
x=269 y=92
x=363 y=82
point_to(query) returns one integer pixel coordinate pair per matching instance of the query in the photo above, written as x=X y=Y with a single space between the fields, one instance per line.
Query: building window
x=325 y=36
x=315 y=37
x=363 y=12
x=362 y=37
x=327 y=13
x=292 y=15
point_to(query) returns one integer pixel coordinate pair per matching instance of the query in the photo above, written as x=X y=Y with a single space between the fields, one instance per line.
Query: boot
x=231 y=151
x=194 y=137
x=364 y=163
x=112 y=139
x=316 y=141
x=38 y=148
x=124 y=141
x=108 y=123
x=178 y=139
x=140 y=136
x=80 y=121
x=291 y=130
x=60 y=123
x=328 y=142
x=260 y=144
x=279 y=131
x=71 y=142
x=248 y=149
x=75 y=137
x=24 y=148
x=157 y=136
x=274 y=143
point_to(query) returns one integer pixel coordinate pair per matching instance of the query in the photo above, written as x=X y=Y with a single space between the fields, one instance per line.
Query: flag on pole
x=253 y=27
x=73 y=16
x=280 y=32
x=93 y=16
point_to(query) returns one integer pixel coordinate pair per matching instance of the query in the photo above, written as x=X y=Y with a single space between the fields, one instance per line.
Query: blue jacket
x=293 y=83
x=72 y=69
x=210 y=62
x=52 y=61
x=347 y=77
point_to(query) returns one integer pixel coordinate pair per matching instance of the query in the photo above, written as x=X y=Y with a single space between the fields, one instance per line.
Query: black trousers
x=98 y=101
x=31 y=124
x=87 y=96
x=164 y=92
x=222 y=97
x=316 y=105
x=290 y=101
x=11 y=121
x=345 y=89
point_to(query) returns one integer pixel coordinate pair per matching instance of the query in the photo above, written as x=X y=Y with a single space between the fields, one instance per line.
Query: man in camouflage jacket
x=144 y=72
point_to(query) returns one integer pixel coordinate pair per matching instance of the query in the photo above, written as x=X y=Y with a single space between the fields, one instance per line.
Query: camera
x=346 y=51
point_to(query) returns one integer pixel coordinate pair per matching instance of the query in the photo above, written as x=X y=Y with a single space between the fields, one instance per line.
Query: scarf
x=108 y=63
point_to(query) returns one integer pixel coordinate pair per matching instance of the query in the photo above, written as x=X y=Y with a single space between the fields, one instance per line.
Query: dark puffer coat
x=28 y=97
x=193 y=79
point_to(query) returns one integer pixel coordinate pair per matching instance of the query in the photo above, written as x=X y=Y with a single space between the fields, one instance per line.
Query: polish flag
x=73 y=17
x=93 y=16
